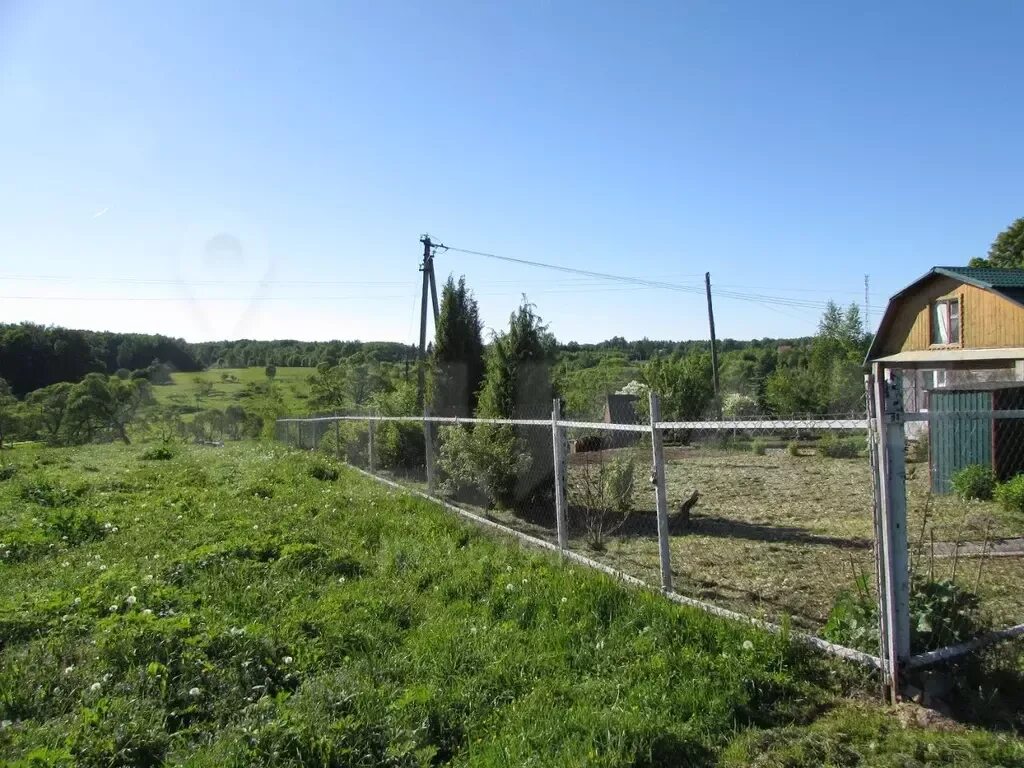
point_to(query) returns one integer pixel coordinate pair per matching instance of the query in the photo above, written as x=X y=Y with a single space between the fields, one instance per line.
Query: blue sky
x=265 y=170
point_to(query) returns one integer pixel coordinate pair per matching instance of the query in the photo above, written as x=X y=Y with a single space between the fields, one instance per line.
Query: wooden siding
x=987 y=321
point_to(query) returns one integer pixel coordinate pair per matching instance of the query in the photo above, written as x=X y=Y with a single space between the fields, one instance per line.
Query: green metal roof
x=985 y=277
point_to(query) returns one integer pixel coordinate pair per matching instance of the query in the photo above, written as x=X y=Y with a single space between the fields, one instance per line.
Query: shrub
x=601 y=496
x=759 y=447
x=835 y=447
x=157 y=453
x=974 y=482
x=489 y=456
x=1011 y=494
x=8 y=471
x=46 y=494
x=942 y=613
x=793 y=448
x=321 y=470
x=618 y=482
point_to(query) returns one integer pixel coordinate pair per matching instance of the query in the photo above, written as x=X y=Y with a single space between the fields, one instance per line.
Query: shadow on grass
x=645 y=524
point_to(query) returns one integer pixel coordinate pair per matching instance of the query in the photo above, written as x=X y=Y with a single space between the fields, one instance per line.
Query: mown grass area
x=228 y=384
x=781 y=536
x=250 y=605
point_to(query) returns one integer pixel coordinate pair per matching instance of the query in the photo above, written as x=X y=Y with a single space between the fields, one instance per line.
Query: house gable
x=991 y=316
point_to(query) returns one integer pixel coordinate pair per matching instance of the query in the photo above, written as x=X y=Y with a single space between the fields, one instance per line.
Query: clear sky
x=221 y=170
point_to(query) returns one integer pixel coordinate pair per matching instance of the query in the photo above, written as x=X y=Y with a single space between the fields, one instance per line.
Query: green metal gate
x=957 y=441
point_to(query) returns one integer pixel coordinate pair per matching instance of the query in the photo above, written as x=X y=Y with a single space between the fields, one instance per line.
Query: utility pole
x=714 y=344
x=429 y=286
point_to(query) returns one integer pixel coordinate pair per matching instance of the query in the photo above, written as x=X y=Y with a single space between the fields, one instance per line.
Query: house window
x=946 y=322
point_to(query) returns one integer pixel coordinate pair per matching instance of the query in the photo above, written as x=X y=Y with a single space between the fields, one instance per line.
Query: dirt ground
x=781 y=535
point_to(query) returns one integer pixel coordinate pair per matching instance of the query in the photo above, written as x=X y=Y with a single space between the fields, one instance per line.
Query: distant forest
x=34 y=356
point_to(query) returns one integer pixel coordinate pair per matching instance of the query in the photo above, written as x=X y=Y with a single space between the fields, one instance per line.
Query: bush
x=618 y=482
x=1010 y=494
x=8 y=471
x=941 y=613
x=321 y=470
x=490 y=457
x=974 y=482
x=157 y=453
x=834 y=447
x=759 y=447
x=793 y=448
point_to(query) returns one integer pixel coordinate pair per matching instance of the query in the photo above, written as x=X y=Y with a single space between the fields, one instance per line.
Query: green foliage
x=321 y=470
x=157 y=453
x=1007 y=250
x=618 y=481
x=270 y=371
x=1010 y=495
x=974 y=482
x=834 y=447
x=345 y=624
x=457 y=361
x=793 y=448
x=758 y=447
x=683 y=383
x=736 y=405
x=7 y=471
x=942 y=613
x=490 y=457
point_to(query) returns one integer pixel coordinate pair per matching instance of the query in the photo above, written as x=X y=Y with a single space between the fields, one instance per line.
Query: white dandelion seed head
x=747 y=645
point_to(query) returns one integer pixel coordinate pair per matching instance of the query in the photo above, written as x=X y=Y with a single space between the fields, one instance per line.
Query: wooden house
x=953 y=327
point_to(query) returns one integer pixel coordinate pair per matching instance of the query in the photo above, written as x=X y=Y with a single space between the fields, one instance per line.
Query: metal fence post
x=371 y=464
x=337 y=439
x=895 y=596
x=660 y=492
x=428 y=439
x=561 y=500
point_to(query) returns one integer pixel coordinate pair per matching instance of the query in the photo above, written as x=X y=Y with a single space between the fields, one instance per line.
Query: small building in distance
x=620 y=408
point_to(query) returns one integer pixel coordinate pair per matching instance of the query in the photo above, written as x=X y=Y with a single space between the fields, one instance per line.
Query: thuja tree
x=457 y=362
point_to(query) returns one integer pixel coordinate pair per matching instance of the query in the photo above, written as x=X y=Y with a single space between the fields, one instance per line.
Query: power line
x=758 y=298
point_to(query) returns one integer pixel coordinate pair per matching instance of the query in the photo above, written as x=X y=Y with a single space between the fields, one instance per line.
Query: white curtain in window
x=941 y=323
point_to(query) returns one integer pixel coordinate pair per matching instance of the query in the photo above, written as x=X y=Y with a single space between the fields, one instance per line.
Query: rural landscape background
x=228 y=536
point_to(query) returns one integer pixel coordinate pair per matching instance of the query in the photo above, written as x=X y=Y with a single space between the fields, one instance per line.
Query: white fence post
x=370 y=447
x=895 y=596
x=561 y=500
x=660 y=492
x=428 y=439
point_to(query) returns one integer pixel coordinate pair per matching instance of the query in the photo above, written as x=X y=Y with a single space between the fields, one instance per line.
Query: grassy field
x=250 y=605
x=229 y=383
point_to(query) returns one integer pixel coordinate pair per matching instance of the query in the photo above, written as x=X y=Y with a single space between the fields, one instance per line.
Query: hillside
x=256 y=606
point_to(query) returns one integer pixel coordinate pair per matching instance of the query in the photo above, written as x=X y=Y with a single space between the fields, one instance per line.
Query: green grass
x=241 y=606
x=292 y=383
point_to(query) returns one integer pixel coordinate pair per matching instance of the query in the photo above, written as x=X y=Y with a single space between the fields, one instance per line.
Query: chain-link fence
x=963 y=464
x=894 y=539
